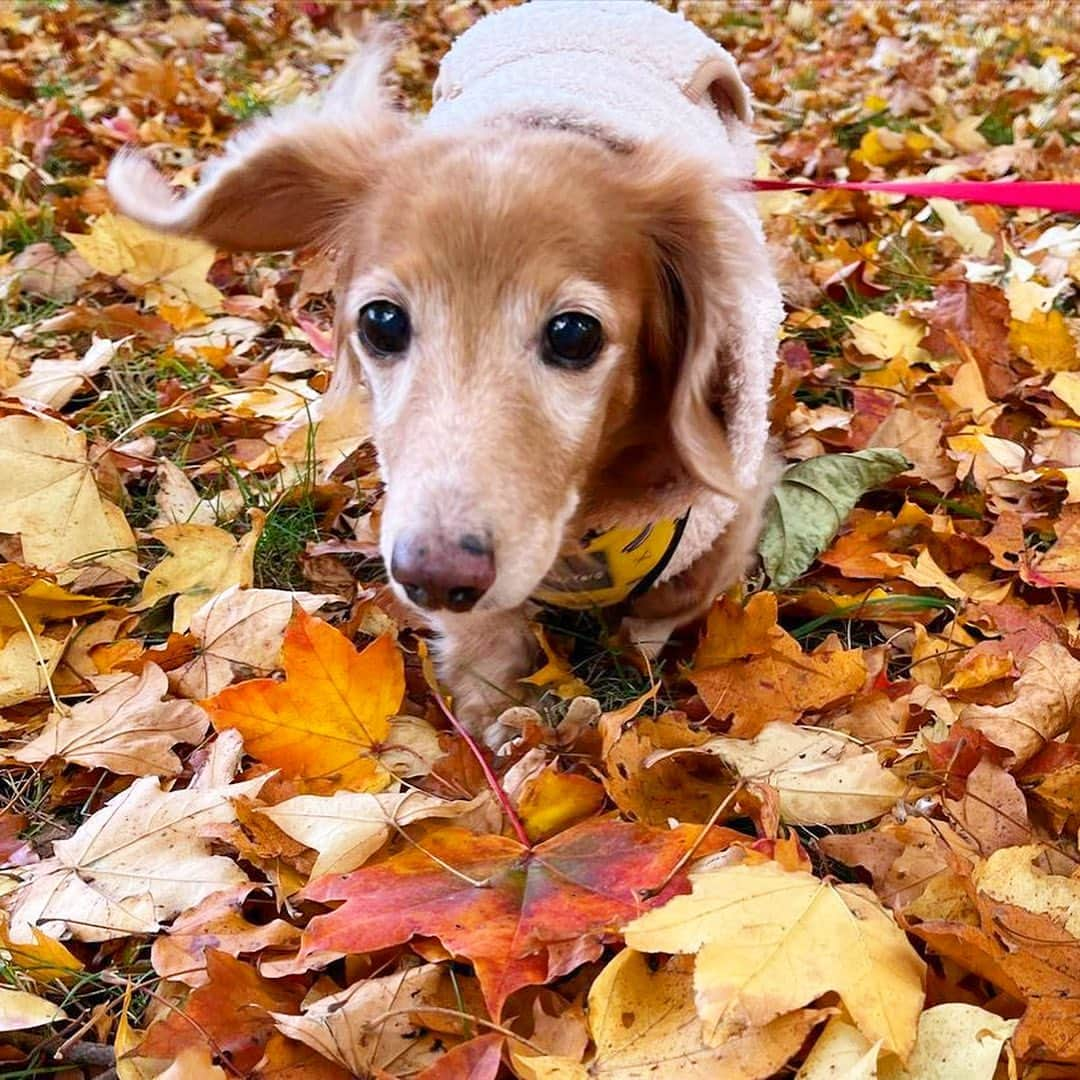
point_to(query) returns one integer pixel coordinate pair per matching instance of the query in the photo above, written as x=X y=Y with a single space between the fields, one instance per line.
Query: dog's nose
x=440 y=573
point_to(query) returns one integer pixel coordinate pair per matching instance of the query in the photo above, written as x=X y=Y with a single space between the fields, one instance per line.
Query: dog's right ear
x=285 y=181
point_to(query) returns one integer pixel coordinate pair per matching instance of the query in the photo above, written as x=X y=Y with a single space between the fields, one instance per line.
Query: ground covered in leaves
x=835 y=833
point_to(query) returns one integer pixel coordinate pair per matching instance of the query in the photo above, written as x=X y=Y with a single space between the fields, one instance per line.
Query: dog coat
x=626 y=72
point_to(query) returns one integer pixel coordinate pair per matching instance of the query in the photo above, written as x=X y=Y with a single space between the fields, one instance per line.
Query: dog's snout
x=440 y=573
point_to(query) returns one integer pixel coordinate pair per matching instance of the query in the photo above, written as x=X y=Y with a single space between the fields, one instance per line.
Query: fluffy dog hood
x=629 y=73
x=625 y=71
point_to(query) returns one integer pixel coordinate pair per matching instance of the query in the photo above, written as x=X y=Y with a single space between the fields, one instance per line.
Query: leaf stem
x=489 y=775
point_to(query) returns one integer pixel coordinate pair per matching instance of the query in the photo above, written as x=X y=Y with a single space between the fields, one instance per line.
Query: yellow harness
x=609 y=567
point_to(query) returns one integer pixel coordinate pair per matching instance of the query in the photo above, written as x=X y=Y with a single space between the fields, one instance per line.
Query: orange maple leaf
x=330 y=716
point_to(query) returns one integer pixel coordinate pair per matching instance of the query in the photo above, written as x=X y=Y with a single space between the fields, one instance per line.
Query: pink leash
x=1061 y=196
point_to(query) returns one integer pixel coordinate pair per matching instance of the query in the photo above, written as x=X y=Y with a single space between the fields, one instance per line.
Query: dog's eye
x=384 y=328
x=572 y=340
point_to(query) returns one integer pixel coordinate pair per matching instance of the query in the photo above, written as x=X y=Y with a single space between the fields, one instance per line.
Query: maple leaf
x=367 y=1027
x=135 y=862
x=345 y=736
x=532 y=915
x=822 y=777
x=52 y=501
x=233 y=1008
x=642 y=1018
x=1045 y=705
x=203 y=561
x=780 y=683
x=26 y=664
x=128 y=729
x=217 y=923
x=348 y=827
x=168 y=268
x=239 y=630
x=770 y=940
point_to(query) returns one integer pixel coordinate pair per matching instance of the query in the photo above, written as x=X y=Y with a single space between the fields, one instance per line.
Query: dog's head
x=524 y=306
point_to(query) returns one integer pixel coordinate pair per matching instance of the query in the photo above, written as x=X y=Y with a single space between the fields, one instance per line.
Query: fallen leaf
x=216 y=923
x=128 y=729
x=956 y=1041
x=240 y=632
x=348 y=827
x=26 y=665
x=52 y=501
x=330 y=718
x=1009 y=876
x=642 y=1019
x=179 y=503
x=553 y=800
x=368 y=1027
x=811 y=503
x=841 y=1051
x=1045 y=342
x=203 y=561
x=769 y=941
x=477 y=1059
x=135 y=862
x=1046 y=703
x=236 y=1007
x=20 y=1010
x=168 y=269
x=532 y=915
x=822 y=777
x=889 y=336
x=54 y=382
x=780 y=684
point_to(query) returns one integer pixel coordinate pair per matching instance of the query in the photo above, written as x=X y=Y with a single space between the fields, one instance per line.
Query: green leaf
x=811 y=503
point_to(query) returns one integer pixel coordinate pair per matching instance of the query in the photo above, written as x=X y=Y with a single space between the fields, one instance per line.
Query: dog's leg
x=480 y=658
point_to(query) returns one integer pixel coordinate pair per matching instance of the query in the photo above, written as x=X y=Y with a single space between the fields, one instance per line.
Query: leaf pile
x=834 y=832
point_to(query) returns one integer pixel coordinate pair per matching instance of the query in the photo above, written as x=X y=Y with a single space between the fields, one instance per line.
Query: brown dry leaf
x=668 y=789
x=993 y=811
x=369 y=1026
x=52 y=502
x=1010 y=876
x=179 y=503
x=1046 y=704
x=769 y=941
x=240 y=632
x=203 y=561
x=137 y=861
x=781 y=683
x=822 y=777
x=128 y=729
x=217 y=922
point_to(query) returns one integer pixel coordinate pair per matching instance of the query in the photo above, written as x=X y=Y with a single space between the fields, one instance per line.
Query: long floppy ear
x=720 y=307
x=285 y=181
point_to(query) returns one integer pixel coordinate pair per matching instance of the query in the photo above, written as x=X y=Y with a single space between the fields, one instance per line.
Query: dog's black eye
x=384 y=328
x=572 y=340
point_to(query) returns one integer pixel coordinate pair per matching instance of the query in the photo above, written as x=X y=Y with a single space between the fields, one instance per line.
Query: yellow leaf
x=1066 y=385
x=841 y=1051
x=553 y=800
x=556 y=674
x=955 y=1042
x=51 y=500
x=330 y=718
x=166 y=269
x=889 y=336
x=1045 y=342
x=963 y=228
x=20 y=1010
x=642 y=1013
x=25 y=666
x=43 y=601
x=203 y=561
x=770 y=940
x=1009 y=876
x=42 y=958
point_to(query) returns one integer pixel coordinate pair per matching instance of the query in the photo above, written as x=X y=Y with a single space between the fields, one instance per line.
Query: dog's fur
x=483 y=239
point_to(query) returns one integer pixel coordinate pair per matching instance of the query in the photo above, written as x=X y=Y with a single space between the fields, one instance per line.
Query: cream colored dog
x=560 y=300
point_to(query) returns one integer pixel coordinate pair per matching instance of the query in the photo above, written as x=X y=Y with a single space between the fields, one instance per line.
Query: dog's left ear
x=284 y=182
x=719 y=311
